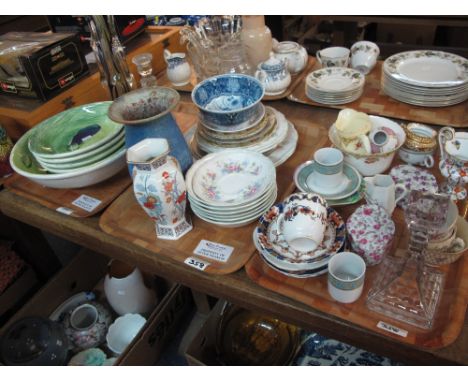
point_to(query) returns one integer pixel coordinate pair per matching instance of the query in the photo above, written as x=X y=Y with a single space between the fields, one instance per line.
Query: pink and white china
x=371 y=231
x=413 y=178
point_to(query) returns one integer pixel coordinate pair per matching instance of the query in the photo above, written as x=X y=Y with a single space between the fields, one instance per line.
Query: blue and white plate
x=304 y=175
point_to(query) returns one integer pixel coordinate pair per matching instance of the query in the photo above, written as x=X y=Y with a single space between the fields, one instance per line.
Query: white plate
x=70 y=304
x=286 y=148
x=428 y=68
x=230 y=177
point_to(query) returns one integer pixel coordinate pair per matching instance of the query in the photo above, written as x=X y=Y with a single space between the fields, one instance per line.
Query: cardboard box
x=40 y=65
x=85 y=272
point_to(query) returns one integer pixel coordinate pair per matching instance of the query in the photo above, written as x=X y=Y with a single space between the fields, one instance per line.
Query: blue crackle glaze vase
x=146 y=113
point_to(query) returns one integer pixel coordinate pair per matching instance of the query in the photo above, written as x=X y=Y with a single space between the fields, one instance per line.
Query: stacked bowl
x=334 y=86
x=231 y=188
x=232 y=116
x=279 y=238
x=76 y=148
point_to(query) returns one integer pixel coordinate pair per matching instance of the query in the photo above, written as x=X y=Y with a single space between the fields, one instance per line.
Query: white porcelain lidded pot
x=295 y=54
x=159 y=187
x=178 y=69
x=126 y=291
x=274 y=75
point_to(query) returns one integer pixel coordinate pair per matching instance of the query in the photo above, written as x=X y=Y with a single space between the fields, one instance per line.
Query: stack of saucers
x=232 y=116
x=334 y=86
x=280 y=255
x=426 y=78
x=231 y=188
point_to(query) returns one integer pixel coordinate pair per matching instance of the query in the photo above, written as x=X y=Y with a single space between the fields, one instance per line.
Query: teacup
x=419 y=158
x=328 y=168
x=346 y=273
x=303 y=227
x=364 y=56
x=333 y=56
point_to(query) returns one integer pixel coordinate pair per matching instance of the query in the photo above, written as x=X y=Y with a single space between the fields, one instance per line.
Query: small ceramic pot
x=178 y=69
x=274 y=75
x=86 y=325
x=371 y=231
x=416 y=157
x=346 y=274
x=295 y=54
x=333 y=56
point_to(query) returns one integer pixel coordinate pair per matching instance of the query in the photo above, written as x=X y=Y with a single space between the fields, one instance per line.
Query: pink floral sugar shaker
x=371 y=231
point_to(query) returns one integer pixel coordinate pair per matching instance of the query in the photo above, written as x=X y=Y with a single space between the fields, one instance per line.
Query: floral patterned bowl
x=371 y=231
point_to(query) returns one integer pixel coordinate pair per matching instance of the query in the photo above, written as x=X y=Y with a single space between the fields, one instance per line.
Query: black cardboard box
x=40 y=65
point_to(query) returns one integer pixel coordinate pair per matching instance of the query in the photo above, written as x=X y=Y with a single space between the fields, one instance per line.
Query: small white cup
x=303 y=227
x=364 y=56
x=416 y=157
x=346 y=274
x=333 y=56
x=328 y=168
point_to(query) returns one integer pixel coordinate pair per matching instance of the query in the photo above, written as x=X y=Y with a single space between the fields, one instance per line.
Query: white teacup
x=416 y=157
x=303 y=227
x=328 y=168
x=333 y=56
x=364 y=56
x=346 y=273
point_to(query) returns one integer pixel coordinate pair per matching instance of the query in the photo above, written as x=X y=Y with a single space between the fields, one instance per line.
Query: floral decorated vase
x=146 y=113
x=86 y=326
x=159 y=187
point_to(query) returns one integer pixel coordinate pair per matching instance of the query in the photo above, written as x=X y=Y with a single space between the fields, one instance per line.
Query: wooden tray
x=127 y=220
x=374 y=101
x=313 y=292
x=295 y=80
x=61 y=200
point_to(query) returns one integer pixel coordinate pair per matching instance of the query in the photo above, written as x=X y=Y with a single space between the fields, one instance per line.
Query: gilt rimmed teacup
x=346 y=274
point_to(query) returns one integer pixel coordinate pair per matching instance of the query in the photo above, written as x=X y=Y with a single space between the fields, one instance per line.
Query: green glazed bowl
x=73 y=132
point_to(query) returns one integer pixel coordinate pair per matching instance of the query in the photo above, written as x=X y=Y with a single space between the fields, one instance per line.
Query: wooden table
x=236 y=287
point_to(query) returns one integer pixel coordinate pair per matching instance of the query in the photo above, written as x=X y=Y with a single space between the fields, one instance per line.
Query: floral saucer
x=280 y=254
x=413 y=178
x=303 y=177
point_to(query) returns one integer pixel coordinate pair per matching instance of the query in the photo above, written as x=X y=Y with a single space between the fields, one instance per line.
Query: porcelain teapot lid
x=273 y=63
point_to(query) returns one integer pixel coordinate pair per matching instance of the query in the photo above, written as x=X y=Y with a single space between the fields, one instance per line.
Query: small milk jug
x=178 y=69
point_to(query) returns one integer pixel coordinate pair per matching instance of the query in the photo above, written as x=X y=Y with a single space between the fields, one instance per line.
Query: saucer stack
x=279 y=255
x=426 y=78
x=334 y=86
x=231 y=188
x=272 y=135
x=349 y=192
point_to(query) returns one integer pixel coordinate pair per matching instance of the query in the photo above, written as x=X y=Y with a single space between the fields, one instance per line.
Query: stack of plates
x=76 y=148
x=231 y=188
x=426 y=78
x=276 y=252
x=273 y=135
x=334 y=86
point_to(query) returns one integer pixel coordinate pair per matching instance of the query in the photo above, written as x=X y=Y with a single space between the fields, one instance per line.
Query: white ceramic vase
x=125 y=290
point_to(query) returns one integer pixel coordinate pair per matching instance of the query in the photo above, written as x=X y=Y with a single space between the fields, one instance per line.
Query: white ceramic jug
x=125 y=290
x=380 y=189
x=178 y=69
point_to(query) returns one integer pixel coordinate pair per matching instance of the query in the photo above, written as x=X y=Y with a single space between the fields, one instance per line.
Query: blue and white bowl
x=231 y=100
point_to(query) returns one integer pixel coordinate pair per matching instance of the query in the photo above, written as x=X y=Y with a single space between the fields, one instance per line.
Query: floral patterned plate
x=230 y=177
x=413 y=178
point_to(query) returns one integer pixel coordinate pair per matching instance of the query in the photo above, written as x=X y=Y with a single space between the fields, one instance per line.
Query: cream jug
x=380 y=189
